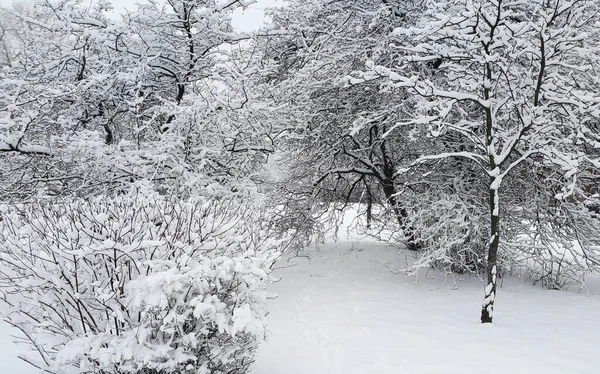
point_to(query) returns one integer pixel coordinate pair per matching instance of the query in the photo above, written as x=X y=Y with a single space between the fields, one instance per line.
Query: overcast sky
x=247 y=20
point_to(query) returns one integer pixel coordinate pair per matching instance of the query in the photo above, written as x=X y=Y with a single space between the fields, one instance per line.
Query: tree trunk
x=369 y=208
x=389 y=190
x=487 y=309
x=401 y=215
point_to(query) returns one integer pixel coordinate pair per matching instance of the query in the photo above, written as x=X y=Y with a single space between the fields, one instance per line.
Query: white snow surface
x=9 y=351
x=348 y=311
x=345 y=309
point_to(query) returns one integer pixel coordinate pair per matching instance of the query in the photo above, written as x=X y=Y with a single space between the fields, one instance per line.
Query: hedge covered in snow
x=139 y=283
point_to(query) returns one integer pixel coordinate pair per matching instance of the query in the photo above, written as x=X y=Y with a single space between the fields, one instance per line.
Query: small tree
x=514 y=79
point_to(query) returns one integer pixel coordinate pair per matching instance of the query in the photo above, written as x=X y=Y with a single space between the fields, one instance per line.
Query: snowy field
x=344 y=309
x=346 y=312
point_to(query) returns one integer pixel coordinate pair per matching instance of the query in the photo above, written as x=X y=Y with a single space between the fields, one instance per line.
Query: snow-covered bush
x=452 y=235
x=558 y=251
x=139 y=283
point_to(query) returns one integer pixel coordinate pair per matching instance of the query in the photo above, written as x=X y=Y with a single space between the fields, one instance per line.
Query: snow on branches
x=90 y=104
x=137 y=283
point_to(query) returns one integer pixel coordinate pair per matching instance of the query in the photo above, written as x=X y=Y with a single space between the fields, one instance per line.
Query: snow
x=9 y=352
x=346 y=311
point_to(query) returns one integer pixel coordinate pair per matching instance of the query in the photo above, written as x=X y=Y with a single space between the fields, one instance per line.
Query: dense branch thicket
x=137 y=283
x=337 y=140
x=90 y=104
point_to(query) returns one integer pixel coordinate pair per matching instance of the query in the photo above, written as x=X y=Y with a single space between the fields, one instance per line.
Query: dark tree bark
x=390 y=192
x=487 y=309
x=369 y=207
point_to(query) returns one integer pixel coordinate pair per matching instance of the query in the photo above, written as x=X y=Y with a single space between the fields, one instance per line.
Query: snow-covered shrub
x=558 y=251
x=139 y=283
x=451 y=232
x=295 y=215
x=301 y=226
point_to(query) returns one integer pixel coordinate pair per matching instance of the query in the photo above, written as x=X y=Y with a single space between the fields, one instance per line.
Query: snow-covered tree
x=337 y=138
x=516 y=81
x=49 y=94
x=92 y=103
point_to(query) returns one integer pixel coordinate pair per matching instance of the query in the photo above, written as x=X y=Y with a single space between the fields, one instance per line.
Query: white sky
x=247 y=20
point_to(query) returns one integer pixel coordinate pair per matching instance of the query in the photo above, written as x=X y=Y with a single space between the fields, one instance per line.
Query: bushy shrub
x=451 y=233
x=559 y=250
x=137 y=284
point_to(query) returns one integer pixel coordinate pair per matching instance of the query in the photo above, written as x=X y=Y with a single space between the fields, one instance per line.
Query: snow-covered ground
x=346 y=311
x=9 y=351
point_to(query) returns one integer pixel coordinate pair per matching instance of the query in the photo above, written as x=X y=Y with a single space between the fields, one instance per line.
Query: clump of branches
x=138 y=283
